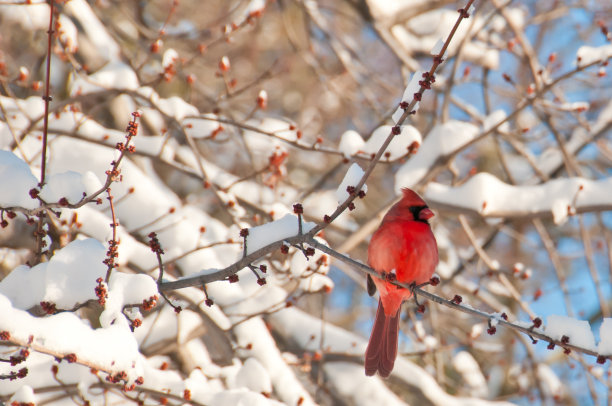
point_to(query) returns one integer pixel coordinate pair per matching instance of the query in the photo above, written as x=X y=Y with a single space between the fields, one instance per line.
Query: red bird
x=405 y=246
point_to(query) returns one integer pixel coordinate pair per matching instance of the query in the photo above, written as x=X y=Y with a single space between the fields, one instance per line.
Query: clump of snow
x=526 y=119
x=33 y=17
x=443 y=139
x=177 y=107
x=69 y=278
x=493 y=119
x=111 y=349
x=587 y=55
x=255 y=6
x=470 y=371
x=23 y=396
x=578 y=331
x=125 y=289
x=486 y=194
x=114 y=75
x=201 y=127
x=253 y=333
x=551 y=384
x=242 y=397
x=437 y=47
x=16 y=180
x=422 y=32
x=97 y=35
x=605 y=334
x=67 y=184
x=354 y=386
x=575 y=106
x=412 y=88
x=262 y=145
x=268 y=233
x=351 y=178
x=169 y=58
x=67 y=33
x=351 y=143
x=399 y=146
x=254 y=376
x=303 y=269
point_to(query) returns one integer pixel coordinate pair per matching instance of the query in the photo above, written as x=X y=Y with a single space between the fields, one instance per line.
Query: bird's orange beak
x=425 y=214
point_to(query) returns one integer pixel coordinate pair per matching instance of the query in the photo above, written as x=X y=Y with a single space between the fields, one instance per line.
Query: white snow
x=176 y=107
x=254 y=333
x=605 y=335
x=412 y=88
x=126 y=289
x=254 y=376
x=97 y=35
x=493 y=119
x=551 y=384
x=351 y=178
x=268 y=233
x=587 y=55
x=352 y=384
x=68 y=279
x=24 y=395
x=578 y=331
x=421 y=33
x=34 y=17
x=114 y=75
x=67 y=33
x=255 y=6
x=437 y=47
x=351 y=143
x=169 y=58
x=16 y=180
x=466 y=365
x=201 y=127
x=489 y=196
x=67 y=184
x=400 y=144
x=112 y=349
x=441 y=140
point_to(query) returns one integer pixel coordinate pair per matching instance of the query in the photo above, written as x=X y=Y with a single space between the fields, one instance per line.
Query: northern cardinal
x=405 y=246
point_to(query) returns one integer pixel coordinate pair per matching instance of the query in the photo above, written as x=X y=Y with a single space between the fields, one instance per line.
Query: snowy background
x=245 y=109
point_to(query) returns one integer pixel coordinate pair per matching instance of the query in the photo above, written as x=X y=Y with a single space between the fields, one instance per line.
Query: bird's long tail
x=382 y=347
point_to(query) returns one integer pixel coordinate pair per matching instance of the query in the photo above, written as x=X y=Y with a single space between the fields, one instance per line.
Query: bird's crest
x=411 y=198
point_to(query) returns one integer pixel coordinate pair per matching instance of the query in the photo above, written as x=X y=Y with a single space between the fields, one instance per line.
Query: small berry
x=298 y=209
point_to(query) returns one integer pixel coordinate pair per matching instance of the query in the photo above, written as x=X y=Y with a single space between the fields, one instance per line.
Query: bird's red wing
x=409 y=249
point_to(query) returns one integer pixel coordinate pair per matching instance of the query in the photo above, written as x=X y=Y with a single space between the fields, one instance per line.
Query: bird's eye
x=415 y=210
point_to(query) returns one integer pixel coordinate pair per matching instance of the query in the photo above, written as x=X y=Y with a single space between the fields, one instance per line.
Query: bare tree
x=188 y=191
